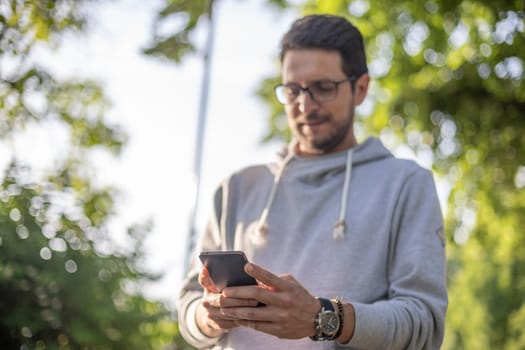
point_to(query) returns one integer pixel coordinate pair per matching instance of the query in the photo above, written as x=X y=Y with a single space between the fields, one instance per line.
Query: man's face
x=321 y=127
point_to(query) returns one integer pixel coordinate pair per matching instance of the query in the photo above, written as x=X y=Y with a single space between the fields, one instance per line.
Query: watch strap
x=326 y=304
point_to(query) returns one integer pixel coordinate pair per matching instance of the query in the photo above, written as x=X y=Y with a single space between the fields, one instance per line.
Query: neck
x=347 y=143
x=319 y=153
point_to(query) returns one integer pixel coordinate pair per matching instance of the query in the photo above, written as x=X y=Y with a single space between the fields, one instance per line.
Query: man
x=345 y=241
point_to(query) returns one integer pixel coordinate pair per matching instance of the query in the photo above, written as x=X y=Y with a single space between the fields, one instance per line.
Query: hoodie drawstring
x=262 y=226
x=340 y=225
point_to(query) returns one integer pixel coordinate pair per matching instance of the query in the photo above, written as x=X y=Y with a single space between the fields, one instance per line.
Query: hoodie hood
x=314 y=170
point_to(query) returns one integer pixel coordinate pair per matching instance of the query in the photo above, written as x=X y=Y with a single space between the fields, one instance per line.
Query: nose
x=306 y=102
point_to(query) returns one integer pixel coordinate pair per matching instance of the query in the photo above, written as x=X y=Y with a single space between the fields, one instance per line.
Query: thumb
x=206 y=282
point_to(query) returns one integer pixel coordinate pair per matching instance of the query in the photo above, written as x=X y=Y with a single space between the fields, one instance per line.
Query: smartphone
x=226 y=268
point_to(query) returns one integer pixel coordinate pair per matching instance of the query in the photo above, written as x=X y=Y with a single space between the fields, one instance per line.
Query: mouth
x=312 y=125
x=313 y=122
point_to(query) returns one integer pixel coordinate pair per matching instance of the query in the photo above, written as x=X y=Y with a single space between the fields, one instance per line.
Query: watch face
x=329 y=323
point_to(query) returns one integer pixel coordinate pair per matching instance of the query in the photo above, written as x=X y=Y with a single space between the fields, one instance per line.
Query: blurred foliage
x=183 y=17
x=64 y=283
x=447 y=83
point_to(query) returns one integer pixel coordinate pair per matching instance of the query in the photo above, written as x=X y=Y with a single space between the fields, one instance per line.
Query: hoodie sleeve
x=191 y=291
x=413 y=315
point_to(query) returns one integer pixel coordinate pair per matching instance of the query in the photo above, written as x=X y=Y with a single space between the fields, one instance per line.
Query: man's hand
x=209 y=318
x=289 y=312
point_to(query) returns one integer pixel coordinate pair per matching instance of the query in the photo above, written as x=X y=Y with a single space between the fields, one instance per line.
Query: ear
x=361 y=88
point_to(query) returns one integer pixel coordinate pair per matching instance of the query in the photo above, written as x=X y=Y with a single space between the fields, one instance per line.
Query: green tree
x=64 y=284
x=447 y=83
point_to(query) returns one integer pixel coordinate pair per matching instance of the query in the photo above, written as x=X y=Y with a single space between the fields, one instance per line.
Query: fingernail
x=249 y=267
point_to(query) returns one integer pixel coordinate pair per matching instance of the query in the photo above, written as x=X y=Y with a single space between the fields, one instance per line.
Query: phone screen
x=226 y=268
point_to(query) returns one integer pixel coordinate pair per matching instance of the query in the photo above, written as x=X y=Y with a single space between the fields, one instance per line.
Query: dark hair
x=328 y=32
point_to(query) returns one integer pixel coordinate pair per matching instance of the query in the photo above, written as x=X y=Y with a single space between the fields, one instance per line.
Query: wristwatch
x=327 y=322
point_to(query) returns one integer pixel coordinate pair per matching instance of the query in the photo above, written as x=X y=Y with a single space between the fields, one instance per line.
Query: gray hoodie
x=359 y=224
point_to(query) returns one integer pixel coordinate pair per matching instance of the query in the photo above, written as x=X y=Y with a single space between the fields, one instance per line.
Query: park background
x=99 y=102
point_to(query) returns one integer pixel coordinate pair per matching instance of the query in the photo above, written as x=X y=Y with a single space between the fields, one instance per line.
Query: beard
x=333 y=139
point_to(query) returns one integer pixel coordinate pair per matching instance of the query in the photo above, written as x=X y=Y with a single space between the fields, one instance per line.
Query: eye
x=292 y=90
x=323 y=87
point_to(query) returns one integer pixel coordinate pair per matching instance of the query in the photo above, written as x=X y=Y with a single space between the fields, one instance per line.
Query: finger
x=206 y=282
x=236 y=302
x=264 y=295
x=212 y=300
x=218 y=317
x=224 y=325
x=219 y=322
x=257 y=325
x=266 y=277
x=246 y=293
x=218 y=300
x=261 y=314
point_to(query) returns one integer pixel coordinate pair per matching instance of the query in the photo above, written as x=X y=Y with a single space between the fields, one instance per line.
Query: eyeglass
x=320 y=91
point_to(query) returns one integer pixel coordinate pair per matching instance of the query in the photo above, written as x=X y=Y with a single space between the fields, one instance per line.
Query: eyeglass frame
x=306 y=89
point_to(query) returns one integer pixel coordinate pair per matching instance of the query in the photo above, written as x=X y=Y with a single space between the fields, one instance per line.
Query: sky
x=157 y=104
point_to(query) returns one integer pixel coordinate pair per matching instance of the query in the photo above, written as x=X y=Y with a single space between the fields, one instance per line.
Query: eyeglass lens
x=321 y=91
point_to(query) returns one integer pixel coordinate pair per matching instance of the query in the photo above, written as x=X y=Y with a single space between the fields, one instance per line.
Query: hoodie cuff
x=193 y=329
x=367 y=332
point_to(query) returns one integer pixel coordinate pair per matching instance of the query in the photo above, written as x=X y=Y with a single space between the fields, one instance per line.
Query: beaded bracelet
x=341 y=314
